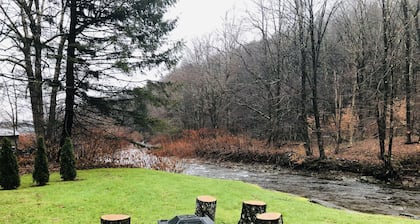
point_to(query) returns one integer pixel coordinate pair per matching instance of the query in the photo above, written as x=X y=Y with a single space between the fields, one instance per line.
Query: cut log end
x=269 y=216
x=115 y=219
x=206 y=198
x=255 y=203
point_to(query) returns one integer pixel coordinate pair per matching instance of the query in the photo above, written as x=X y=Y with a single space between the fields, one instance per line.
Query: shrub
x=41 y=175
x=9 y=171
x=67 y=161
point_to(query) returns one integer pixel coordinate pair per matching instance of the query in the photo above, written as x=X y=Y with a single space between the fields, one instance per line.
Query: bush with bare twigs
x=100 y=147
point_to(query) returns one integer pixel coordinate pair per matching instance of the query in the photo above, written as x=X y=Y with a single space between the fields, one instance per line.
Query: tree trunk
x=35 y=89
x=407 y=71
x=70 y=77
x=303 y=116
x=54 y=91
x=380 y=120
x=417 y=24
x=338 y=113
x=353 y=114
x=36 y=30
x=361 y=79
x=314 y=86
x=391 y=91
x=206 y=206
x=115 y=219
x=34 y=77
x=51 y=126
x=249 y=211
x=388 y=93
x=269 y=218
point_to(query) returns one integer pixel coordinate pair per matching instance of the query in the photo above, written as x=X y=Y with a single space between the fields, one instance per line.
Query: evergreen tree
x=133 y=37
x=67 y=161
x=41 y=174
x=9 y=178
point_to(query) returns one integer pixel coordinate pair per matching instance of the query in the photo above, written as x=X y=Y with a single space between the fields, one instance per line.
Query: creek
x=337 y=189
x=334 y=189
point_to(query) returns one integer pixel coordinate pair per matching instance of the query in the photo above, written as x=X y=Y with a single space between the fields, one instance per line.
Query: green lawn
x=148 y=196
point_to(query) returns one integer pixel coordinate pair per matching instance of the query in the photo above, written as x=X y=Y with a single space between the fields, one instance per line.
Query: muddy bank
x=404 y=178
x=360 y=157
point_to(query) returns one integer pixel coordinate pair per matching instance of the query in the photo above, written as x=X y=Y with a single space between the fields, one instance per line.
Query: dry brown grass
x=367 y=151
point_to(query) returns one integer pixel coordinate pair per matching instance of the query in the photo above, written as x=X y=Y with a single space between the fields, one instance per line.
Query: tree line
x=296 y=70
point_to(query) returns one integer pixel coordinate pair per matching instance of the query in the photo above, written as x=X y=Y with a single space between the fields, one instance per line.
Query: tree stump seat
x=269 y=218
x=206 y=206
x=249 y=211
x=115 y=219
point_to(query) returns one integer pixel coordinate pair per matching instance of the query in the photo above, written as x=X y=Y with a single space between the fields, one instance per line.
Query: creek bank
x=370 y=172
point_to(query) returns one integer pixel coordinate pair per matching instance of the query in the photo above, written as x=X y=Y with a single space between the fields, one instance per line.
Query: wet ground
x=342 y=190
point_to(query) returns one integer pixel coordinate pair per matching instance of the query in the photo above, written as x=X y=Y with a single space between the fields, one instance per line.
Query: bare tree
x=51 y=133
x=28 y=34
x=206 y=78
x=267 y=64
x=316 y=35
x=408 y=70
x=21 y=23
x=386 y=87
x=303 y=45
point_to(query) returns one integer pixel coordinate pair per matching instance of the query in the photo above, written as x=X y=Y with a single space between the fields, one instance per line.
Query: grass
x=148 y=196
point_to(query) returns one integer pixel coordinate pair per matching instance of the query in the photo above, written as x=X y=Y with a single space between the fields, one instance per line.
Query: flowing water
x=345 y=191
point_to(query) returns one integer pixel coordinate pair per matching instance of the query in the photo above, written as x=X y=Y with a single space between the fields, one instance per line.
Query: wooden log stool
x=206 y=206
x=115 y=219
x=249 y=211
x=269 y=218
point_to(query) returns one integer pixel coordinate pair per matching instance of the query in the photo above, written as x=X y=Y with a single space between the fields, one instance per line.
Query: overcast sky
x=199 y=17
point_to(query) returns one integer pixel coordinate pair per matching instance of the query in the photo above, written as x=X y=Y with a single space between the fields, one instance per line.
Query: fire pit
x=187 y=219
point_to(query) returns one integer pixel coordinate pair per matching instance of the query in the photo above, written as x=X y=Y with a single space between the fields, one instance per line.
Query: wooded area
x=333 y=72
x=328 y=72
